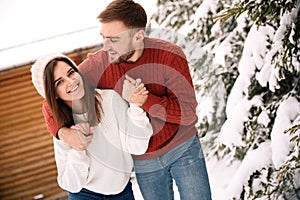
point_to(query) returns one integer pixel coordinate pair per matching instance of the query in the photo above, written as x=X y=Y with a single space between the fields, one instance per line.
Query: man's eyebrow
x=114 y=37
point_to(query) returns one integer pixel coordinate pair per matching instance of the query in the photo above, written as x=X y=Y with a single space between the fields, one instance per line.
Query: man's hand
x=139 y=96
x=134 y=91
x=77 y=137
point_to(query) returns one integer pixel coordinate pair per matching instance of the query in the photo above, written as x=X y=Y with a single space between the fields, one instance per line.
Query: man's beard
x=124 y=58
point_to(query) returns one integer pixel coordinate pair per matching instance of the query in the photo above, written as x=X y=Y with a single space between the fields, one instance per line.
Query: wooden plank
x=16 y=182
x=15 y=79
x=6 y=105
x=20 y=176
x=25 y=90
x=28 y=148
x=11 y=74
x=25 y=188
x=9 y=135
x=9 y=153
x=24 y=134
x=11 y=128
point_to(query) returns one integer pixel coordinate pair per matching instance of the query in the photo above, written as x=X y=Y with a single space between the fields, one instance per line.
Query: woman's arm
x=67 y=135
x=72 y=166
x=134 y=126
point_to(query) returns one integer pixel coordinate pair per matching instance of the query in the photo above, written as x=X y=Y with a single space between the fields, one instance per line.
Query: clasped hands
x=134 y=91
x=80 y=135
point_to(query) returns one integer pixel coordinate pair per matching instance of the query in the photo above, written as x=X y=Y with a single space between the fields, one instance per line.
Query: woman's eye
x=71 y=72
x=58 y=83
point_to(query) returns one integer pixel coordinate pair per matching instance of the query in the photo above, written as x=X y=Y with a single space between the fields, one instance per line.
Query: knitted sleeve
x=51 y=123
x=93 y=67
x=72 y=167
x=178 y=105
x=134 y=126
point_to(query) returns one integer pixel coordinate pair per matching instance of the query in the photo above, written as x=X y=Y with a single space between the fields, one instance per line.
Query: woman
x=103 y=170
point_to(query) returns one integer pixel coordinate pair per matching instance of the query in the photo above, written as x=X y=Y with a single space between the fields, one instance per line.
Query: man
x=174 y=150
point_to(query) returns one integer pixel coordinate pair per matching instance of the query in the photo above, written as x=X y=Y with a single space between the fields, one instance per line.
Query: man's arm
x=178 y=105
x=74 y=136
x=51 y=123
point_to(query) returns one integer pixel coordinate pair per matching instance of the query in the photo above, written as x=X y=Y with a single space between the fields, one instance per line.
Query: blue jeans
x=84 y=194
x=185 y=164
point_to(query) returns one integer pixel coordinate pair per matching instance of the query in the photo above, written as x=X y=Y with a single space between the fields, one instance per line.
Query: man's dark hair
x=130 y=13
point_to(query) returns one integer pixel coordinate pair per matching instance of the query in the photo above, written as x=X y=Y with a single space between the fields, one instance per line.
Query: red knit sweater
x=171 y=104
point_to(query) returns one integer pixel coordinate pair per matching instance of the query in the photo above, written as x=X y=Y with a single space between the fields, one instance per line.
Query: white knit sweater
x=106 y=165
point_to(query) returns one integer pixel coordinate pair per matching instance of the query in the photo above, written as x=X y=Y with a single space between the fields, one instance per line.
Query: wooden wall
x=27 y=166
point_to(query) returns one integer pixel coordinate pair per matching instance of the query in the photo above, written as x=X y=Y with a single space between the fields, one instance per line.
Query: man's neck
x=137 y=53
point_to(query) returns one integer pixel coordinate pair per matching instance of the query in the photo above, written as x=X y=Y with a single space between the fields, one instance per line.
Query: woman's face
x=68 y=83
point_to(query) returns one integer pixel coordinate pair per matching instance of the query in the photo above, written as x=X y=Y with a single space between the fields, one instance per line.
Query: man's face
x=117 y=41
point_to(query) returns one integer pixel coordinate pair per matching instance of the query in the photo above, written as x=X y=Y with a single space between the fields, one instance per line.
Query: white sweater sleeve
x=134 y=126
x=72 y=167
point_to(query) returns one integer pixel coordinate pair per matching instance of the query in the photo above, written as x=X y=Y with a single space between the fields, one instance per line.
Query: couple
x=166 y=96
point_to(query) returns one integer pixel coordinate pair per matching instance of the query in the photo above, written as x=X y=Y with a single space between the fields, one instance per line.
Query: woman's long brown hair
x=60 y=110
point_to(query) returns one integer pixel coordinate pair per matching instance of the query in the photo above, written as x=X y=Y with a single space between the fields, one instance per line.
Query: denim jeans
x=185 y=164
x=84 y=194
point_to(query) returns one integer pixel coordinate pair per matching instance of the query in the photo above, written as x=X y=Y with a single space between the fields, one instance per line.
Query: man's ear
x=140 y=35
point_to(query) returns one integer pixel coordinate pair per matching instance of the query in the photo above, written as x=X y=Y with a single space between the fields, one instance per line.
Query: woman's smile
x=75 y=87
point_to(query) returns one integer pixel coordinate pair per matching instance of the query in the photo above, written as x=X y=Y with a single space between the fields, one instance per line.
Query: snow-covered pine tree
x=248 y=75
x=268 y=85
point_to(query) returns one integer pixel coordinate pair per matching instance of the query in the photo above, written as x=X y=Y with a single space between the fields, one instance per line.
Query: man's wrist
x=60 y=134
